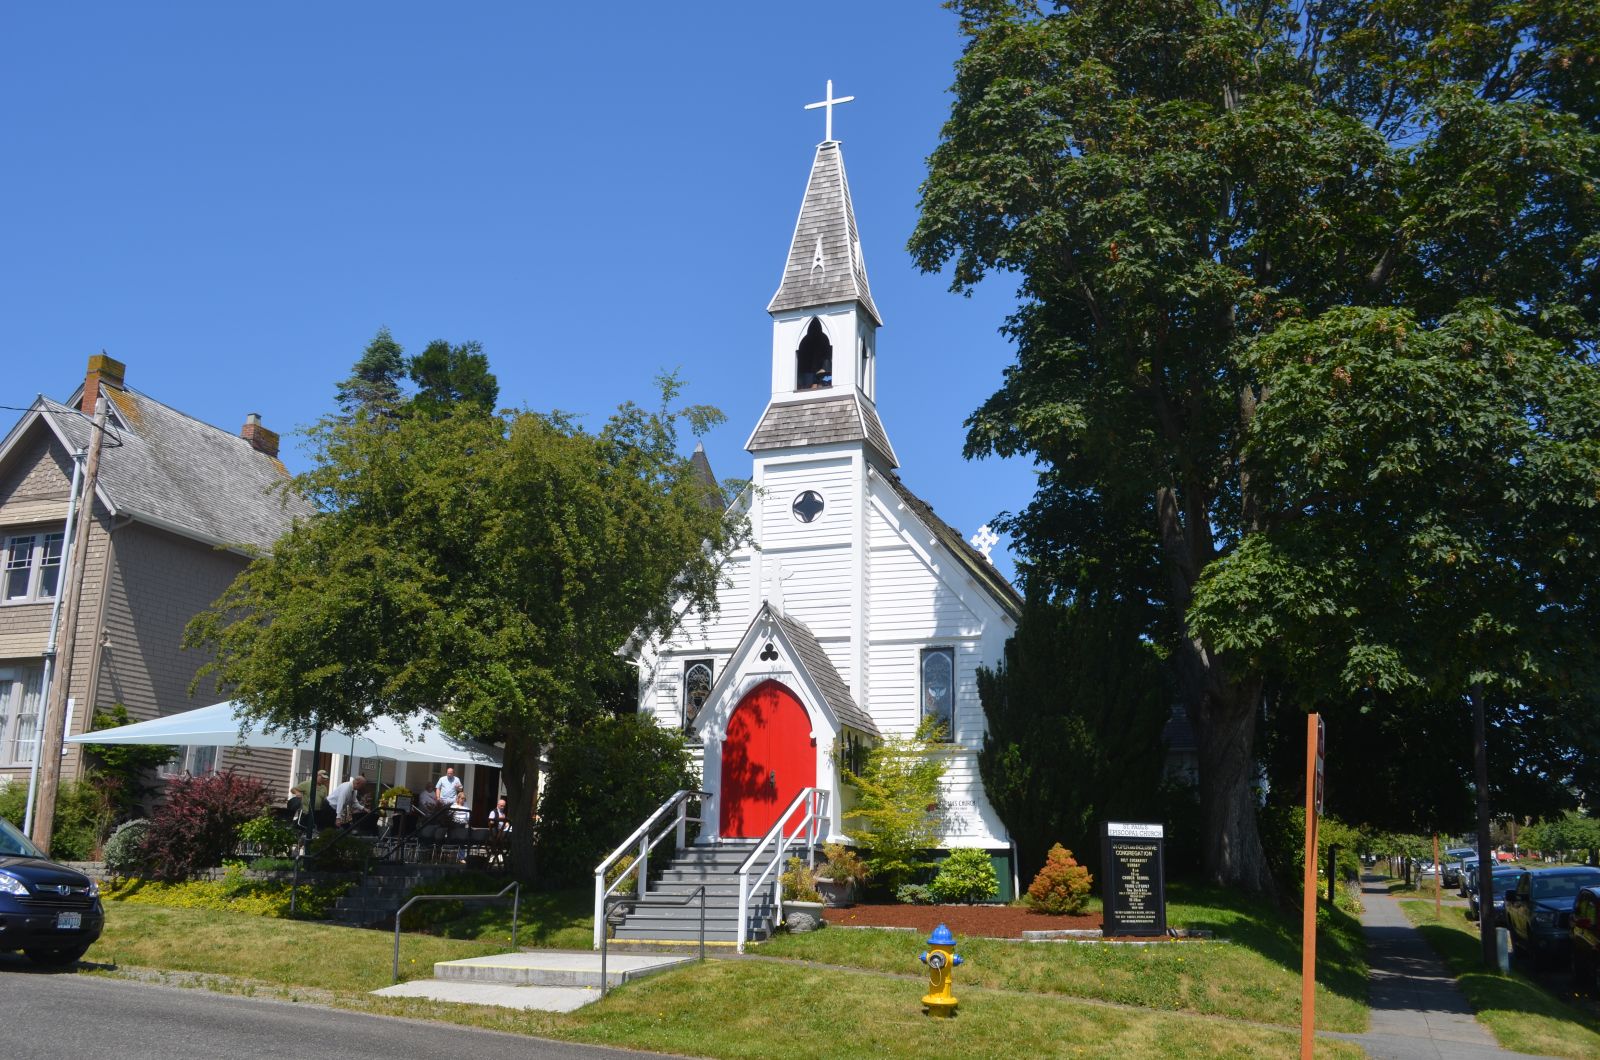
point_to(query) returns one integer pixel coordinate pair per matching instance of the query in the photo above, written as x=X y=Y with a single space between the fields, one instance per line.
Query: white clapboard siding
x=967 y=819
x=816 y=589
x=782 y=482
x=896 y=703
x=910 y=599
x=722 y=630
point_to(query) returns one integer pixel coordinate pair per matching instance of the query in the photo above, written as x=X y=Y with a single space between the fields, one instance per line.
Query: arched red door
x=768 y=757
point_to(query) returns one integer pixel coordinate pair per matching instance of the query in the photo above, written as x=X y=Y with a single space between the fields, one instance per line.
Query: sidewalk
x=1418 y=1013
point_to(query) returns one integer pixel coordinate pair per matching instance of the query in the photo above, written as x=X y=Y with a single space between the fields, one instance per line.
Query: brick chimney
x=102 y=369
x=260 y=439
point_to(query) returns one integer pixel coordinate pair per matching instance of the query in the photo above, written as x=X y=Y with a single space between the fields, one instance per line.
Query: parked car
x=1504 y=880
x=1452 y=864
x=1586 y=940
x=1539 y=911
x=48 y=911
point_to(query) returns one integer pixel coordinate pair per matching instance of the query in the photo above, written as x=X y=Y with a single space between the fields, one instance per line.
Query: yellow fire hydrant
x=941 y=958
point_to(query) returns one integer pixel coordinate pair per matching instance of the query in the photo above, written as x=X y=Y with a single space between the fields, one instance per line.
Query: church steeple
x=825 y=265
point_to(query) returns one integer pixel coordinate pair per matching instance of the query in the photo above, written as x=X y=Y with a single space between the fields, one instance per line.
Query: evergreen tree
x=449 y=376
x=1076 y=713
x=374 y=383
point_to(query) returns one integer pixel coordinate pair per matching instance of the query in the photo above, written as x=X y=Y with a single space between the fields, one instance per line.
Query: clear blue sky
x=232 y=198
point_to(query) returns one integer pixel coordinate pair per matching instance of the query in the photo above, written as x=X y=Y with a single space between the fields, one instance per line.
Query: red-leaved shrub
x=1062 y=886
x=198 y=824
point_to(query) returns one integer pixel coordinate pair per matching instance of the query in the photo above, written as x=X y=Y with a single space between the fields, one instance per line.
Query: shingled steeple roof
x=825 y=263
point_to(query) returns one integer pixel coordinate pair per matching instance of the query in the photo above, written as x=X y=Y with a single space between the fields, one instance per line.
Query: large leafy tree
x=485 y=567
x=1178 y=182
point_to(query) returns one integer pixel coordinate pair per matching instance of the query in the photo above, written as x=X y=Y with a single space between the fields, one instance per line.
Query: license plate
x=69 y=921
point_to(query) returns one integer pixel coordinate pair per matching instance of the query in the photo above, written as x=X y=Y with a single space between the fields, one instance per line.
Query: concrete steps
x=547 y=980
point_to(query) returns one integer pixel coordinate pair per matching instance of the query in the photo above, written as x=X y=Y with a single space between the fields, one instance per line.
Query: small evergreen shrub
x=1062 y=886
x=269 y=836
x=967 y=875
x=913 y=894
x=799 y=883
x=199 y=823
x=124 y=851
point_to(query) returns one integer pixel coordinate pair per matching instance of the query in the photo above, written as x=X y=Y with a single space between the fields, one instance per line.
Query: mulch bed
x=985 y=921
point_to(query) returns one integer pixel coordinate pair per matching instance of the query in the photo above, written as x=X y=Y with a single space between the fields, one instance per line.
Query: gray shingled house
x=179 y=508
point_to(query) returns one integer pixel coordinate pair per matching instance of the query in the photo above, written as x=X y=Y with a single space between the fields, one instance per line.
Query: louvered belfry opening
x=814 y=359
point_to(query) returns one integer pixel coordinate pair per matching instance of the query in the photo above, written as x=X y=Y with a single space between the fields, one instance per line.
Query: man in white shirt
x=346 y=798
x=448 y=786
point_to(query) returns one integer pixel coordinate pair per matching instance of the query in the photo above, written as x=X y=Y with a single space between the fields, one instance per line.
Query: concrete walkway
x=549 y=980
x=1418 y=1012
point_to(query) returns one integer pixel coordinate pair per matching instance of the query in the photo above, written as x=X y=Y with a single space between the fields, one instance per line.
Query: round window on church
x=807 y=506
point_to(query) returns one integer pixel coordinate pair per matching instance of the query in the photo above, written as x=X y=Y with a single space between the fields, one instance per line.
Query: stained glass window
x=939 y=687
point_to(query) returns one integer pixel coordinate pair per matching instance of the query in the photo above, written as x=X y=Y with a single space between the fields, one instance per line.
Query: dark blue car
x=1539 y=911
x=48 y=911
x=1505 y=880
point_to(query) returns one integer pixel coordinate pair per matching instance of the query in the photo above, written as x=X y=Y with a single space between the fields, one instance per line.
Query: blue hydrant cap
x=941 y=937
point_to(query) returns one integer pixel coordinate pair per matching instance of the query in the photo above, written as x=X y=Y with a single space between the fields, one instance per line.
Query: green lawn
x=1254 y=974
x=722 y=1009
x=1521 y=1014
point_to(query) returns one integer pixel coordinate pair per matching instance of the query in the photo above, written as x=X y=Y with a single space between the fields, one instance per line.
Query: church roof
x=825 y=264
x=847 y=417
x=976 y=563
x=821 y=669
x=170 y=470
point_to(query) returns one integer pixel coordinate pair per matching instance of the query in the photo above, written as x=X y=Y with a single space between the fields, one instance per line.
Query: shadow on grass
x=545 y=918
x=1490 y=991
x=1255 y=924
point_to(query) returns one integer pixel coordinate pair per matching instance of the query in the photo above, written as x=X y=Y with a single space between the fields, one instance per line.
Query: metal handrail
x=612 y=901
x=639 y=868
x=516 y=907
x=816 y=802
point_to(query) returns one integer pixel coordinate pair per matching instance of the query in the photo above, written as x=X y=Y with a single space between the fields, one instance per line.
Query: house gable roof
x=165 y=468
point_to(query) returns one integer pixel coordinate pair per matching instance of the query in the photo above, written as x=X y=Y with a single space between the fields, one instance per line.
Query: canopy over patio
x=418 y=739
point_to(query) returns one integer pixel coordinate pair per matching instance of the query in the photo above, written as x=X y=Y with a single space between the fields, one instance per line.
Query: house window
x=193 y=761
x=21 y=699
x=696 y=689
x=814 y=359
x=939 y=687
x=32 y=567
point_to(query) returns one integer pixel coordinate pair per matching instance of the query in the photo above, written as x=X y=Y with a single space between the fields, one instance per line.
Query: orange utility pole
x=52 y=735
x=1308 y=916
x=1438 y=876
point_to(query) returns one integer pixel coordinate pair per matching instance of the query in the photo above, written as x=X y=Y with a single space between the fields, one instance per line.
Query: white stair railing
x=664 y=822
x=811 y=806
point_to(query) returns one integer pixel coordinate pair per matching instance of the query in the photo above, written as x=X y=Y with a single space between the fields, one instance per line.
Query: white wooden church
x=856 y=612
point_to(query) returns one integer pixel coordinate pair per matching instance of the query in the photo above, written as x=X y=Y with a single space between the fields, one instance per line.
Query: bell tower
x=824 y=322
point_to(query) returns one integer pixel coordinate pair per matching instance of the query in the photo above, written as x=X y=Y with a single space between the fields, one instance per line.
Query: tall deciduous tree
x=485 y=567
x=1176 y=181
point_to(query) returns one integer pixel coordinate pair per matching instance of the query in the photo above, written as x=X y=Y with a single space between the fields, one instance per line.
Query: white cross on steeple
x=828 y=105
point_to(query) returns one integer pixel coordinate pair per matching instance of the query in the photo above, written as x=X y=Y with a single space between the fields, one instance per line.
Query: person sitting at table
x=461 y=824
x=499 y=818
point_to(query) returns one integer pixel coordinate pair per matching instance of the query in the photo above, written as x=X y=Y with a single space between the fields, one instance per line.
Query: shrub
x=270 y=837
x=614 y=873
x=242 y=895
x=843 y=865
x=124 y=852
x=913 y=894
x=1062 y=886
x=84 y=813
x=898 y=787
x=799 y=882
x=337 y=852
x=967 y=875
x=126 y=768
x=604 y=779
x=199 y=823
x=14 y=802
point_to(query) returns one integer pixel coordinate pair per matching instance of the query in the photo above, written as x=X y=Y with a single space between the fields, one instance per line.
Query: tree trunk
x=520 y=772
x=1233 y=853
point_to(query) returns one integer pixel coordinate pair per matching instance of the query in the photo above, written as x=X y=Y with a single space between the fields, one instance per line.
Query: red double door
x=768 y=758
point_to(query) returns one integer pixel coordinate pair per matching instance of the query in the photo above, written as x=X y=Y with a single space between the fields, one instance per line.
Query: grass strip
x=1254 y=975
x=1522 y=1014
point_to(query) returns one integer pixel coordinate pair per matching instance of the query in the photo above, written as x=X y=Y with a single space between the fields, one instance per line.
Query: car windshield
x=15 y=844
x=1550 y=885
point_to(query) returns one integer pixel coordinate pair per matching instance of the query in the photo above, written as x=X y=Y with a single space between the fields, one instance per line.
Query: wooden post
x=52 y=735
x=1333 y=870
x=1308 y=916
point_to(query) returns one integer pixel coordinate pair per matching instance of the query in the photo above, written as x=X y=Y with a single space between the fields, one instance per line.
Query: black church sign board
x=1133 y=881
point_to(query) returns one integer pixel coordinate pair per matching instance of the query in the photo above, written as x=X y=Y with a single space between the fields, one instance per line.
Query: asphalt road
x=49 y=1016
